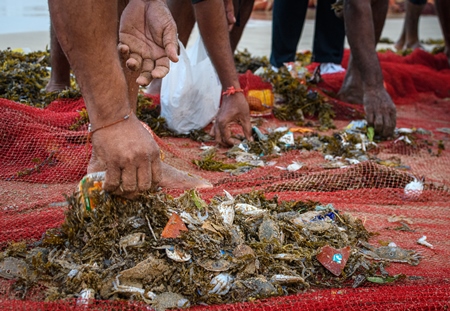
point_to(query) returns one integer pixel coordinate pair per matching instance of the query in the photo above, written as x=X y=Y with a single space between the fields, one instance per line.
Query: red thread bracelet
x=90 y=131
x=232 y=90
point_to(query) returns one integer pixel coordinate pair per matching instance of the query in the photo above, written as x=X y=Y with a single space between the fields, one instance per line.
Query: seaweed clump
x=23 y=78
x=120 y=250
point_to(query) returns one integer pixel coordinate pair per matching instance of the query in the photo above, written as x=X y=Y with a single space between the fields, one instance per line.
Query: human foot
x=352 y=87
x=173 y=178
x=56 y=87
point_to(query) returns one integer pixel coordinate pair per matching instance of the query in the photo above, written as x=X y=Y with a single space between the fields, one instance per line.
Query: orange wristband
x=232 y=90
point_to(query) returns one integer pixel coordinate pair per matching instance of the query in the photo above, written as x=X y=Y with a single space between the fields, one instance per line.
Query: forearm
x=105 y=101
x=213 y=28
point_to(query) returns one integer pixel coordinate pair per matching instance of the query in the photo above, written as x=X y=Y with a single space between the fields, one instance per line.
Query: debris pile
x=176 y=252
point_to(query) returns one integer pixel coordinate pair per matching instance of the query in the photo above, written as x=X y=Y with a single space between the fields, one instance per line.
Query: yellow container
x=265 y=96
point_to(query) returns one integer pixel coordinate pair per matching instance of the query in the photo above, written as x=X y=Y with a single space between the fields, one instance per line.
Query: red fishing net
x=43 y=156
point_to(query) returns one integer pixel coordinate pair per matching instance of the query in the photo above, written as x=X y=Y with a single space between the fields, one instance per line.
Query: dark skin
x=60 y=76
x=409 y=38
x=126 y=151
x=363 y=82
x=214 y=29
x=443 y=10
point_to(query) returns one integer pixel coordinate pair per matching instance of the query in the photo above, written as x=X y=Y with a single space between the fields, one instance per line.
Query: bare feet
x=234 y=109
x=173 y=178
x=147 y=39
x=380 y=112
x=56 y=87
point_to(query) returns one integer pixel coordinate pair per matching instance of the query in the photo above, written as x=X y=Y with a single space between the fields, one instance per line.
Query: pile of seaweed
x=175 y=252
x=23 y=77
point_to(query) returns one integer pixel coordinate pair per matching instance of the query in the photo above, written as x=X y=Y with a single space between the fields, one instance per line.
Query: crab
x=134 y=239
x=391 y=253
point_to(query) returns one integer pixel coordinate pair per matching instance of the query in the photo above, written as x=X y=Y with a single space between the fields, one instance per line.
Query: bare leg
x=409 y=38
x=443 y=10
x=60 y=74
x=243 y=9
x=364 y=21
x=214 y=31
x=125 y=150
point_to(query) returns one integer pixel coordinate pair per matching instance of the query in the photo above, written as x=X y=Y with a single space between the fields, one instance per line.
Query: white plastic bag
x=191 y=91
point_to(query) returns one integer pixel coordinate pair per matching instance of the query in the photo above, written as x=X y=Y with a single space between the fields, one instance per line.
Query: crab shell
x=249 y=210
x=221 y=284
x=226 y=209
x=177 y=254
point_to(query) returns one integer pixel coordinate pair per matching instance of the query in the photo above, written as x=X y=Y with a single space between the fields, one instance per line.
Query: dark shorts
x=418 y=2
x=197 y=1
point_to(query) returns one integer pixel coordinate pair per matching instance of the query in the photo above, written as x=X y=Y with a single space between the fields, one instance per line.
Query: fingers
x=134 y=62
x=225 y=134
x=144 y=177
x=171 y=48
x=156 y=172
x=161 y=68
x=124 y=50
x=129 y=182
x=247 y=128
x=112 y=179
x=144 y=78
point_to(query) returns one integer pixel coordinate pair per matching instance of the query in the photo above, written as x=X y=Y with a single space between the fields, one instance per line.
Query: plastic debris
x=173 y=227
x=423 y=241
x=334 y=259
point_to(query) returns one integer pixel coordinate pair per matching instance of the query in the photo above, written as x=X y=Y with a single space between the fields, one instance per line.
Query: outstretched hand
x=148 y=39
x=234 y=109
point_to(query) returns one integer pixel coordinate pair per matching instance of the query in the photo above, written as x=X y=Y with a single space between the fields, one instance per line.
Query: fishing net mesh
x=43 y=156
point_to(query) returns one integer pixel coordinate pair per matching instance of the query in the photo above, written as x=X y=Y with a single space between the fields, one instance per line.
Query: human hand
x=380 y=112
x=129 y=156
x=148 y=39
x=234 y=109
x=229 y=10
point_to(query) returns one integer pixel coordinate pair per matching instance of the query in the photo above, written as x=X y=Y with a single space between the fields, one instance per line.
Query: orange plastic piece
x=300 y=130
x=173 y=227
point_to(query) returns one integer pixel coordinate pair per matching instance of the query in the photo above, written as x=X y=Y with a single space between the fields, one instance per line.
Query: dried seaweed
x=299 y=100
x=245 y=61
x=23 y=78
x=95 y=252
